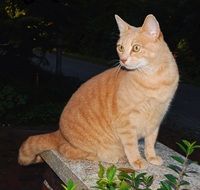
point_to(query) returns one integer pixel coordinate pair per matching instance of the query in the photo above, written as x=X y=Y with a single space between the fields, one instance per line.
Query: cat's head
x=138 y=46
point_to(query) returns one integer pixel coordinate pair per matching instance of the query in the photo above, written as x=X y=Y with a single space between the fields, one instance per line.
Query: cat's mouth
x=131 y=66
x=127 y=69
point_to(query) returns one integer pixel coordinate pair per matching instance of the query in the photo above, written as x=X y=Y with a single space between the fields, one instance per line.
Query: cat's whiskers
x=118 y=70
x=114 y=62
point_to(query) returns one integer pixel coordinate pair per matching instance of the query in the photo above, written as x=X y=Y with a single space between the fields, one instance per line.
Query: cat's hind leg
x=72 y=153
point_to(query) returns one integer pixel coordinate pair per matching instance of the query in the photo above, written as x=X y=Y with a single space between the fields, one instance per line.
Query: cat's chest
x=144 y=99
x=151 y=107
x=149 y=117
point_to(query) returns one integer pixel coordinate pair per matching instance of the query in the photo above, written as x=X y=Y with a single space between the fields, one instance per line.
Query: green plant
x=107 y=178
x=70 y=185
x=175 y=182
x=122 y=179
x=136 y=181
x=113 y=178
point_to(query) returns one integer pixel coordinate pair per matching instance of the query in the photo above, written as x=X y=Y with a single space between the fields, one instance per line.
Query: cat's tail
x=34 y=145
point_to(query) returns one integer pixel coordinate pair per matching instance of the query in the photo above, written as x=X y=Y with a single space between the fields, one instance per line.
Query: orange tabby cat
x=107 y=115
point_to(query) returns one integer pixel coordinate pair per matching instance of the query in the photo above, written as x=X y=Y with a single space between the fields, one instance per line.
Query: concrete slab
x=84 y=173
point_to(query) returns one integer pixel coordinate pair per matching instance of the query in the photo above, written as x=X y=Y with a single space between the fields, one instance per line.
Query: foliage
x=176 y=182
x=188 y=61
x=45 y=113
x=22 y=31
x=113 y=178
x=12 y=9
x=16 y=108
x=26 y=101
x=122 y=179
x=69 y=185
x=10 y=99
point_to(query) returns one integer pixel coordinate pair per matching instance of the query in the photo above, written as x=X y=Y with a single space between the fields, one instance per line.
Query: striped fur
x=107 y=115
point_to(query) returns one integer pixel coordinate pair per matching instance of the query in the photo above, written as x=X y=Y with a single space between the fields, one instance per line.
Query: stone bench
x=84 y=173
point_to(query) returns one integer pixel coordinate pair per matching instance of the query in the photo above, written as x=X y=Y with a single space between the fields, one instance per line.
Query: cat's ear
x=122 y=25
x=151 y=27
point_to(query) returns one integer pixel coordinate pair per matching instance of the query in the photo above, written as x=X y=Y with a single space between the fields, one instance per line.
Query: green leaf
x=193 y=143
x=133 y=175
x=183 y=182
x=148 y=180
x=190 y=151
x=69 y=185
x=110 y=173
x=187 y=143
x=124 y=186
x=136 y=183
x=182 y=148
x=196 y=146
x=102 y=182
x=165 y=186
x=112 y=188
x=141 y=175
x=138 y=179
x=171 y=178
x=101 y=170
x=178 y=159
x=64 y=186
x=175 y=168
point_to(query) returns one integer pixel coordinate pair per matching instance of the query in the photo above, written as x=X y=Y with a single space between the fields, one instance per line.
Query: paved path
x=74 y=67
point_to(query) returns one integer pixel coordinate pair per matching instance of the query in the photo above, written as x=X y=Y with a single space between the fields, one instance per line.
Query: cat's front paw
x=156 y=160
x=139 y=164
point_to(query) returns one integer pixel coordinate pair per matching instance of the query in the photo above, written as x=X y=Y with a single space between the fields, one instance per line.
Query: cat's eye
x=136 y=48
x=120 y=48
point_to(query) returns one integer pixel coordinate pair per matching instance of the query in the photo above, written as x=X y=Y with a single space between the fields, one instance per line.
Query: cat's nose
x=123 y=60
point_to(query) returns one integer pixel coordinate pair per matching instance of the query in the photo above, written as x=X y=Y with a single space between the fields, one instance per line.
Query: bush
x=188 y=64
x=43 y=114
x=10 y=99
x=31 y=96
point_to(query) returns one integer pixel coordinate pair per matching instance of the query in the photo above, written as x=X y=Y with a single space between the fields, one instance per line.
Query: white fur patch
x=138 y=64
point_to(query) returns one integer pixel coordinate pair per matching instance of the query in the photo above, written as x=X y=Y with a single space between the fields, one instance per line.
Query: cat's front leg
x=150 y=149
x=128 y=136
